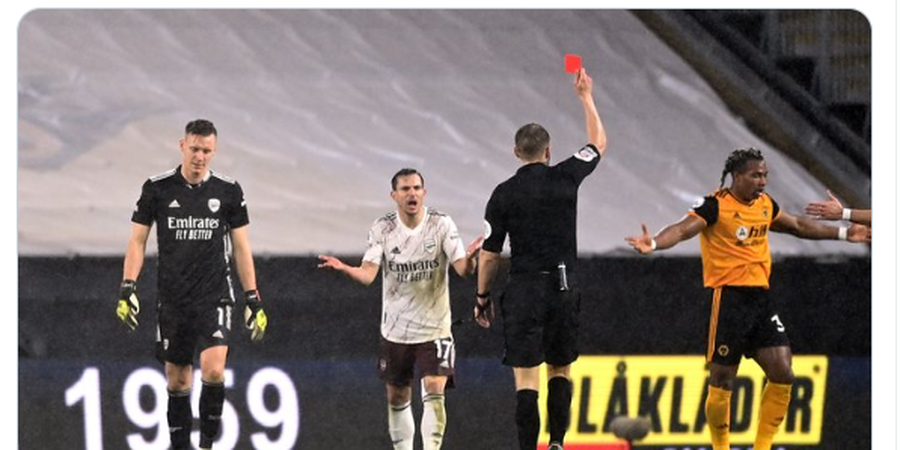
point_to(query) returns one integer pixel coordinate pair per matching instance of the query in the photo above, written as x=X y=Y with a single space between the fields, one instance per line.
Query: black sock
x=212 y=397
x=559 y=402
x=180 y=418
x=528 y=419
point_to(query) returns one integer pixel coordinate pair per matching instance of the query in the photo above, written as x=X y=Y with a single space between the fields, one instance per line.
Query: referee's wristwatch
x=486 y=296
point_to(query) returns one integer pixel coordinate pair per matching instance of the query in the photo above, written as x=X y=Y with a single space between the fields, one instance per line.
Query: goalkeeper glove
x=254 y=317
x=129 y=307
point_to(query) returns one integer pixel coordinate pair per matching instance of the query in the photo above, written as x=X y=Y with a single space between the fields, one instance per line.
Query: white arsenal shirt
x=414 y=264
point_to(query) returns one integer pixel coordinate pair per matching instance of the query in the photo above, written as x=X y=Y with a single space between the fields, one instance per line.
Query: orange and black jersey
x=734 y=245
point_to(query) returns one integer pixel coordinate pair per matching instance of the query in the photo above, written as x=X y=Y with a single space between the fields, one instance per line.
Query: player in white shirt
x=413 y=247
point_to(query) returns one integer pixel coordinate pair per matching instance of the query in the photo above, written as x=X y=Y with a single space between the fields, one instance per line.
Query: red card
x=573 y=63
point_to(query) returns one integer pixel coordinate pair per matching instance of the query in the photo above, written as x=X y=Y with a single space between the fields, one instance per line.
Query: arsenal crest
x=214 y=204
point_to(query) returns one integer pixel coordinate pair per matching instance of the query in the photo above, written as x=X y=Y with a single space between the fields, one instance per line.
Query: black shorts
x=540 y=321
x=184 y=329
x=397 y=362
x=742 y=320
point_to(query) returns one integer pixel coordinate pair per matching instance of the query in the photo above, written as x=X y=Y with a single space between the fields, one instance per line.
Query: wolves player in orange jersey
x=733 y=224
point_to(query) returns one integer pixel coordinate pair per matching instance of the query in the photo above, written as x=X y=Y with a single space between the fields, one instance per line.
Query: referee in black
x=201 y=224
x=537 y=209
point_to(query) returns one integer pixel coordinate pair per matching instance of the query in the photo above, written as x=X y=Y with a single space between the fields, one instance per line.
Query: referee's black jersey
x=192 y=231
x=537 y=208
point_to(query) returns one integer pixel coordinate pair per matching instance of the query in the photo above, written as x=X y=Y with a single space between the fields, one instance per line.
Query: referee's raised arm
x=596 y=134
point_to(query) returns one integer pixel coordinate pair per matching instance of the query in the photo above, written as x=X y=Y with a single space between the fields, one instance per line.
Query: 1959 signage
x=281 y=423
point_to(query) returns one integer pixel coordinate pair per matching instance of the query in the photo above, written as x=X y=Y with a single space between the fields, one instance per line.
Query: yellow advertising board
x=670 y=391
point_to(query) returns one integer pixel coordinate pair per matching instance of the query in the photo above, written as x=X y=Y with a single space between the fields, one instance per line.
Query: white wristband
x=845 y=214
x=842 y=233
x=652 y=244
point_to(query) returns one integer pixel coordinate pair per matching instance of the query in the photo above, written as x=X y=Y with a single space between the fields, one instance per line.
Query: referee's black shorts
x=742 y=320
x=540 y=321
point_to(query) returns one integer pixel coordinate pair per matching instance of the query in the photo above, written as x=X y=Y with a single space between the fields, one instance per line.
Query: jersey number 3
x=779 y=326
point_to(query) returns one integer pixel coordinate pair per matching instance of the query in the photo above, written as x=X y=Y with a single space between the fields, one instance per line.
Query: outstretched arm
x=596 y=134
x=832 y=209
x=686 y=228
x=861 y=216
x=806 y=228
x=364 y=274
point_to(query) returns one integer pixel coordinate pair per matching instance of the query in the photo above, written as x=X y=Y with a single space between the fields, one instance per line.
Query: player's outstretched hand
x=484 y=311
x=830 y=209
x=859 y=233
x=128 y=306
x=643 y=244
x=330 y=262
x=254 y=317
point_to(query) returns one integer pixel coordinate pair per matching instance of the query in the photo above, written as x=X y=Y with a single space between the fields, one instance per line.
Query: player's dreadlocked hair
x=201 y=127
x=738 y=159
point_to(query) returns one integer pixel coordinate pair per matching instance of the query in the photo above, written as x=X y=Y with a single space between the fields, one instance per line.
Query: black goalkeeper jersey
x=192 y=229
x=537 y=208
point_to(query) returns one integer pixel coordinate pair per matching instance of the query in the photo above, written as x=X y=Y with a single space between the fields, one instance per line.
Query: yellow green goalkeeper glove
x=129 y=307
x=254 y=317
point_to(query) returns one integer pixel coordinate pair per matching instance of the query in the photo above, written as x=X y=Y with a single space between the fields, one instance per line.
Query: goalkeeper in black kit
x=201 y=224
